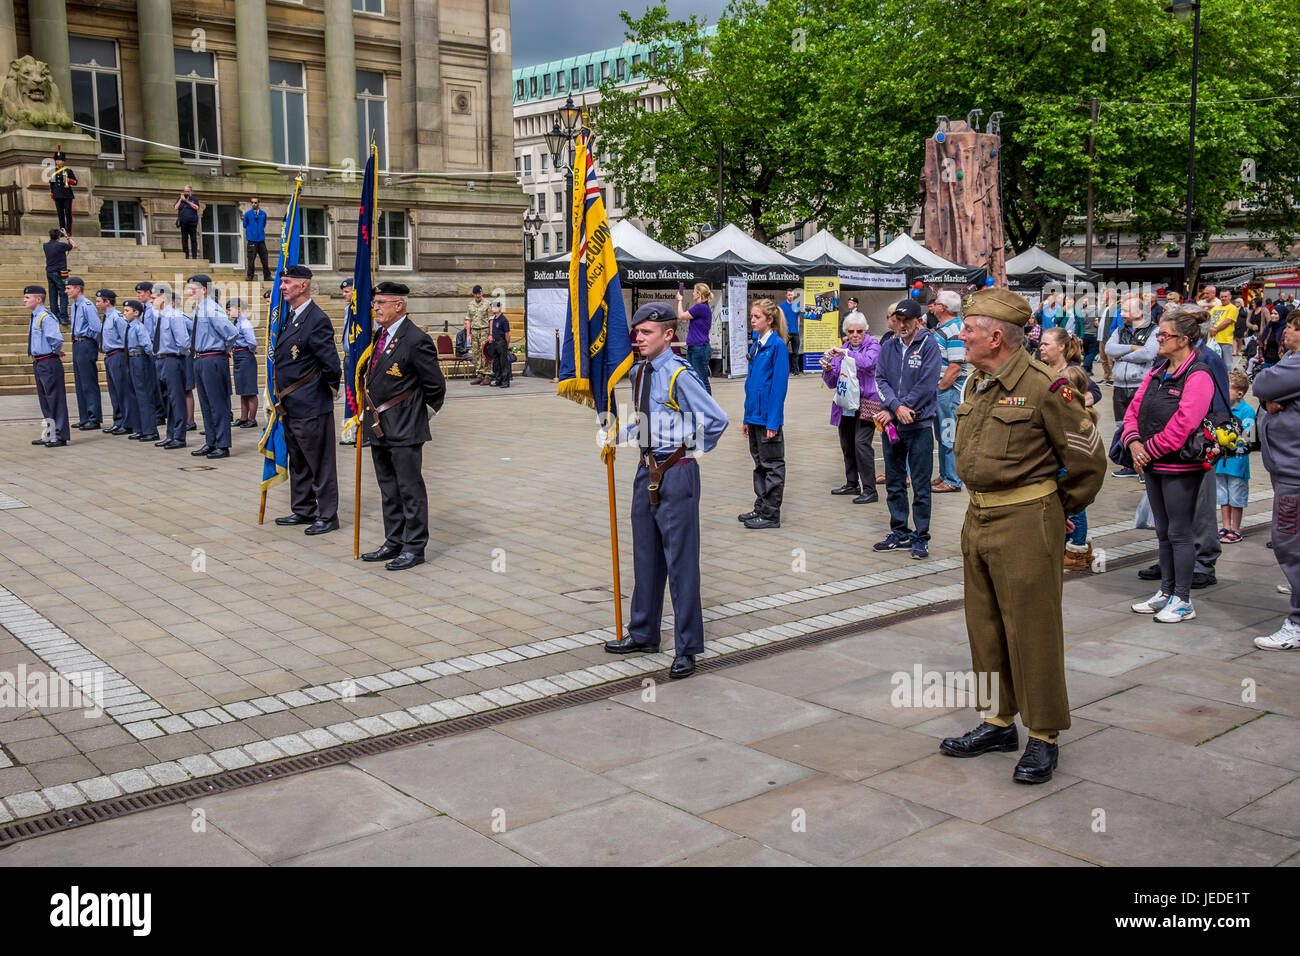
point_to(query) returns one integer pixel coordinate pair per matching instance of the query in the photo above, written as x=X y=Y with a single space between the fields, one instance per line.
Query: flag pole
x=613 y=547
x=356 y=516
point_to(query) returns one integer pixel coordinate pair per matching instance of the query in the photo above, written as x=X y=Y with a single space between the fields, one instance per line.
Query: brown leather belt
x=279 y=395
x=111 y=352
x=213 y=355
x=657 y=469
x=374 y=424
x=83 y=338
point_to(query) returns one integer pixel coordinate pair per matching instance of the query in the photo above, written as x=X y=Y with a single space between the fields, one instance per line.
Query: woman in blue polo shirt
x=765 y=387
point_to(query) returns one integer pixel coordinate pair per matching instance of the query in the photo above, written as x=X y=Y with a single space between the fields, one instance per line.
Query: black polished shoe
x=191 y=427
x=760 y=522
x=407 y=559
x=85 y=426
x=1150 y=574
x=171 y=444
x=683 y=666
x=108 y=430
x=983 y=739
x=322 y=527
x=120 y=430
x=385 y=553
x=160 y=444
x=625 y=645
x=219 y=453
x=249 y=423
x=200 y=452
x=237 y=423
x=38 y=441
x=866 y=498
x=747 y=516
x=1205 y=580
x=1037 y=762
x=152 y=438
x=294 y=519
x=846 y=489
x=57 y=443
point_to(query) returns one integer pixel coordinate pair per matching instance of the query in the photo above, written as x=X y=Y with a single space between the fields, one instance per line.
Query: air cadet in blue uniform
x=213 y=333
x=173 y=345
x=245 y=361
x=45 y=346
x=675 y=416
x=86 y=328
x=144 y=293
x=116 y=368
x=141 y=412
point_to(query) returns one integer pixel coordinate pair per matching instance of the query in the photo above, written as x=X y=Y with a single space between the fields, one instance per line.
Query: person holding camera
x=855 y=426
x=187 y=220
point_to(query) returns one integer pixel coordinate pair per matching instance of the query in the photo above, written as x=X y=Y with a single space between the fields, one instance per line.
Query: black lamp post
x=556 y=140
x=532 y=226
x=1182 y=9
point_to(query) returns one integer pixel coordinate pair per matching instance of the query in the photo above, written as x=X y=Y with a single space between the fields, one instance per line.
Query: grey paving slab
x=484 y=778
x=962 y=843
x=1270 y=738
x=440 y=841
x=1165 y=713
x=741 y=852
x=629 y=830
x=848 y=746
x=1140 y=831
x=162 y=837
x=1278 y=811
x=1109 y=660
x=958 y=722
x=824 y=819
x=798 y=673
x=286 y=818
x=729 y=709
x=602 y=735
x=1255 y=683
x=873 y=697
x=708 y=775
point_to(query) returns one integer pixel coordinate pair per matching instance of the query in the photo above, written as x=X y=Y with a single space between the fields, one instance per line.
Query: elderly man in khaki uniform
x=479 y=314
x=1029 y=455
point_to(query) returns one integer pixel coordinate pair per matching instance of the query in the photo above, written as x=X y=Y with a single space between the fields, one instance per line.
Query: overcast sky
x=545 y=30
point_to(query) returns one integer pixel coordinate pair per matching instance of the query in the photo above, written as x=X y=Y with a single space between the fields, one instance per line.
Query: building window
x=394 y=239
x=532 y=86
x=574 y=80
x=622 y=68
x=618 y=197
x=798 y=234
x=546 y=84
x=516 y=165
x=559 y=82
x=288 y=113
x=636 y=58
x=519 y=89
x=543 y=163
x=857 y=241
x=196 y=105
x=604 y=70
x=123 y=219
x=559 y=242
x=96 y=91
x=528 y=164
x=591 y=74
x=372 y=115
x=314 y=239
x=541 y=203
x=559 y=202
x=222 y=234
x=368 y=6
x=546 y=243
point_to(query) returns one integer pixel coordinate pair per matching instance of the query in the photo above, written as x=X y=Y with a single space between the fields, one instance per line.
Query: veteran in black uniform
x=401 y=379
x=1028 y=454
x=307 y=376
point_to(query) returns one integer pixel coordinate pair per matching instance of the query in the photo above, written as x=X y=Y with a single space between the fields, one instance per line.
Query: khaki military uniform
x=1028 y=454
x=480 y=326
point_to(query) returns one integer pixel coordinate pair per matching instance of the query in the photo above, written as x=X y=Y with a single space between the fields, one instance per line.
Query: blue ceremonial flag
x=597 y=350
x=358 y=327
x=275 y=468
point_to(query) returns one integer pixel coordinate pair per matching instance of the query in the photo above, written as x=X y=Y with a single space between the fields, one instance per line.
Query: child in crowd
x=1232 y=473
x=1078 y=549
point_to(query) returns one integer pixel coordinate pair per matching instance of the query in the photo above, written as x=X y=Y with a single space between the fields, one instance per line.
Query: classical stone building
x=237 y=97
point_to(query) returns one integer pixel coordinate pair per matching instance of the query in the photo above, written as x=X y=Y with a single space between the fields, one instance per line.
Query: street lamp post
x=556 y=140
x=532 y=226
x=1182 y=9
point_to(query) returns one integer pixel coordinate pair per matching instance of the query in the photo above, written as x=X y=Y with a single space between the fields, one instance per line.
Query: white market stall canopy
x=631 y=243
x=825 y=248
x=730 y=243
x=906 y=251
x=1039 y=259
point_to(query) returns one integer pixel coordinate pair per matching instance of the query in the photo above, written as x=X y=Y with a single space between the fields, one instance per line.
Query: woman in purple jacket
x=855 y=433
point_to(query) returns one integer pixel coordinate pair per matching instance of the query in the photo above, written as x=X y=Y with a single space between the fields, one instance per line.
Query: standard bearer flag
x=358 y=328
x=275 y=468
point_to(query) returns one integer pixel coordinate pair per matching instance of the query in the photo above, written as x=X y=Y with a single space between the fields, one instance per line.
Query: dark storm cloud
x=544 y=30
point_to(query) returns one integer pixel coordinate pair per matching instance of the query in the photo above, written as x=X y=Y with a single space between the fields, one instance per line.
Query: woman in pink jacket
x=855 y=433
x=1161 y=431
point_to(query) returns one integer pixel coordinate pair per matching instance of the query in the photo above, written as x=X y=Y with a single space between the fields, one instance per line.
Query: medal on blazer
x=293 y=351
x=394 y=371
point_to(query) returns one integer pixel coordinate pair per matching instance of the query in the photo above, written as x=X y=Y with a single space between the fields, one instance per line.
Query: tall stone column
x=254 y=84
x=157 y=83
x=8 y=35
x=422 y=135
x=49 y=25
x=341 y=85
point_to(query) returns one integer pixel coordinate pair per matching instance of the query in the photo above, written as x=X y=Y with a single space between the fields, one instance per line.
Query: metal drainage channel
x=69 y=819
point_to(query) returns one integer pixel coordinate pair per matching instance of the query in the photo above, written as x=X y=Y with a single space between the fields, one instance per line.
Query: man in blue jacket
x=255 y=236
x=906 y=375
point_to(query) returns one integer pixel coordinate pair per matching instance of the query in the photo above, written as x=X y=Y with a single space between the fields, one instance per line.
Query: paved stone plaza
x=224 y=644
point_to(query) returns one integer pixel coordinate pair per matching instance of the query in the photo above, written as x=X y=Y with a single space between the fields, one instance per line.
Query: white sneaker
x=1285 y=638
x=1284 y=589
x=1176 y=610
x=1152 y=604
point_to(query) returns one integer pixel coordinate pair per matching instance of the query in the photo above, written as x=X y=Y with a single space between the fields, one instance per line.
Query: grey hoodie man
x=1133 y=347
x=1279 y=435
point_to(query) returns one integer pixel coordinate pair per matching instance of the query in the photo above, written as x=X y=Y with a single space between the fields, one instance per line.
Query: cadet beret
x=346 y=283
x=477 y=289
x=266 y=294
x=235 y=304
x=297 y=272
x=75 y=280
x=108 y=294
x=199 y=279
x=34 y=290
x=160 y=288
x=1001 y=304
x=391 y=288
x=654 y=312
x=144 y=287
x=133 y=304
x=910 y=308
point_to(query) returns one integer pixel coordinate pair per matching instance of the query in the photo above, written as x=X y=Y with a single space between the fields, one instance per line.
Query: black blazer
x=409 y=359
x=301 y=347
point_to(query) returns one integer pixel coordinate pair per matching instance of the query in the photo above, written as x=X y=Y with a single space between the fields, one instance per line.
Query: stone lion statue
x=30 y=98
